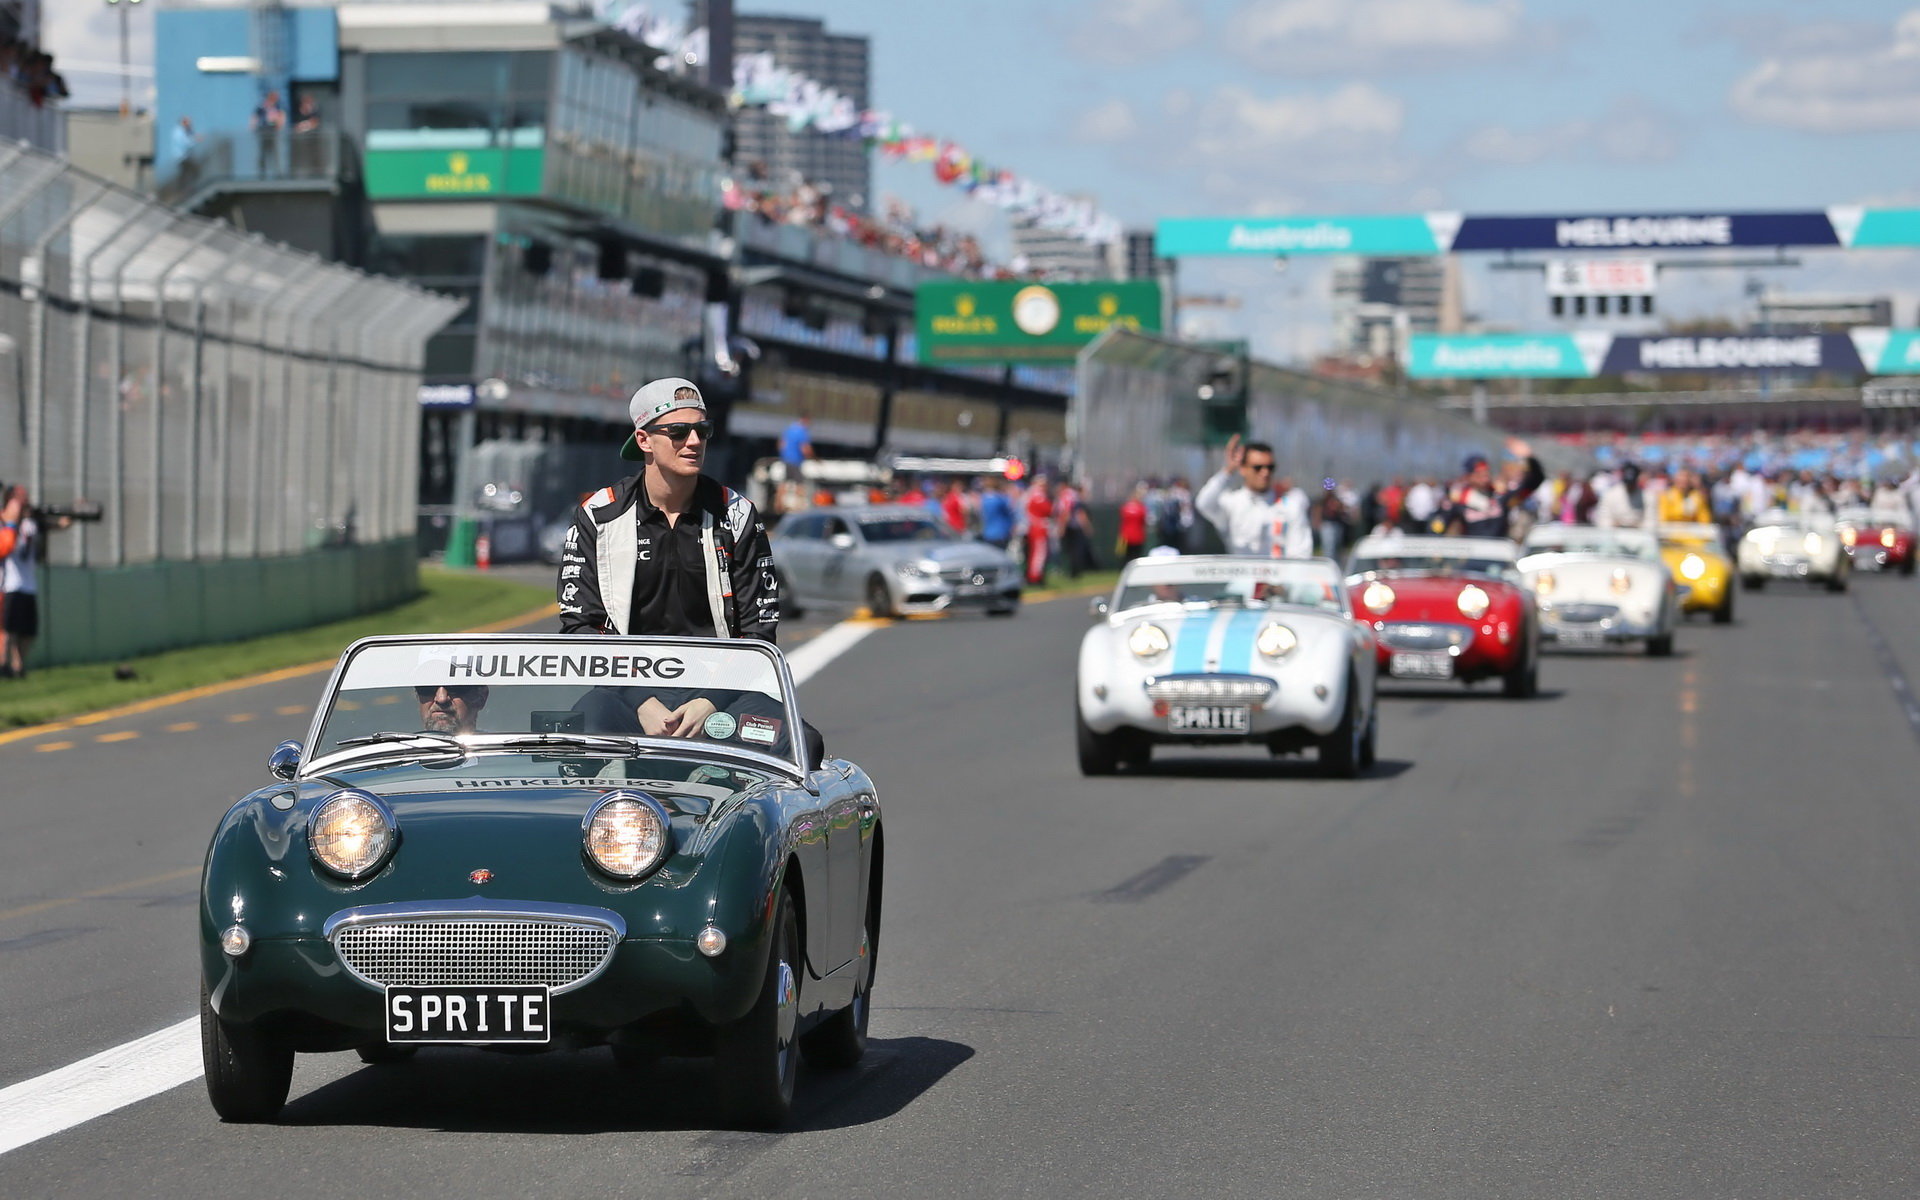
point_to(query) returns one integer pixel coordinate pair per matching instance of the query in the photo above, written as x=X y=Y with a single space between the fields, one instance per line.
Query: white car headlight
x=1693 y=567
x=627 y=834
x=1812 y=543
x=1474 y=602
x=917 y=570
x=1887 y=539
x=1378 y=598
x=1276 y=641
x=1147 y=641
x=1620 y=581
x=1543 y=583
x=350 y=833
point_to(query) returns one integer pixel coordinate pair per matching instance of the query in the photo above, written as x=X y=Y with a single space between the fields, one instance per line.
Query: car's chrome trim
x=1417 y=637
x=477 y=909
x=1216 y=686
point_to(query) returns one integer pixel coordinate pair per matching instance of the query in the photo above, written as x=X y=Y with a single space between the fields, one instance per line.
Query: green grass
x=1090 y=583
x=449 y=601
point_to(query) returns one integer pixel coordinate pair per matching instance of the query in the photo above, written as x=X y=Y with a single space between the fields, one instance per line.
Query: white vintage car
x=1793 y=545
x=1599 y=587
x=1205 y=650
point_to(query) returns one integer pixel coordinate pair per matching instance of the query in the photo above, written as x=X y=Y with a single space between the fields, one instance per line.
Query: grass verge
x=449 y=601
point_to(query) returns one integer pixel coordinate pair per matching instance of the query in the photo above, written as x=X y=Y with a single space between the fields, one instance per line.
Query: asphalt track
x=1652 y=934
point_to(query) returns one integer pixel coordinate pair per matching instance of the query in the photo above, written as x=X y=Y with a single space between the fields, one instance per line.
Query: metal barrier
x=1136 y=415
x=220 y=397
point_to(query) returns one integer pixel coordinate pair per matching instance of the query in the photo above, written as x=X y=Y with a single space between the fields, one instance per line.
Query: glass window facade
x=493 y=97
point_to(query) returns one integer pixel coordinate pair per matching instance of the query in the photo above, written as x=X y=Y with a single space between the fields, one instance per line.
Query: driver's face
x=455 y=709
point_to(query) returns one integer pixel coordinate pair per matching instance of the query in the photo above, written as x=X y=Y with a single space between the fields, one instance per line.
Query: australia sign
x=1589 y=355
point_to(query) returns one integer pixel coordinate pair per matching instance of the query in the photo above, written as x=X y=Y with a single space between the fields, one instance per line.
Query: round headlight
x=1474 y=602
x=1849 y=535
x=627 y=834
x=1276 y=641
x=1378 y=598
x=350 y=833
x=1543 y=583
x=1887 y=539
x=1146 y=641
x=1620 y=581
x=1693 y=566
x=1812 y=543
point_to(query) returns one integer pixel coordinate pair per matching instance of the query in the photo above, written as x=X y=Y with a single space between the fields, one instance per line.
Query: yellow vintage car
x=1698 y=559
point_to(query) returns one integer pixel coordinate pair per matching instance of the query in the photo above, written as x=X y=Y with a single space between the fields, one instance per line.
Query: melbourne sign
x=1592 y=354
x=1011 y=322
x=1450 y=232
x=415 y=174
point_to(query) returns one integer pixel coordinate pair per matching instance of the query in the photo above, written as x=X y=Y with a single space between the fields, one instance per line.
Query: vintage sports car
x=1877 y=539
x=480 y=845
x=1212 y=649
x=896 y=559
x=1600 y=587
x=1697 y=557
x=1793 y=545
x=1447 y=608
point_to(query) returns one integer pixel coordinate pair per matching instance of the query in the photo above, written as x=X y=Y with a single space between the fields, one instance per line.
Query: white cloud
x=1111 y=121
x=1346 y=135
x=1630 y=132
x=1836 y=84
x=1124 y=33
x=84 y=39
x=1324 y=36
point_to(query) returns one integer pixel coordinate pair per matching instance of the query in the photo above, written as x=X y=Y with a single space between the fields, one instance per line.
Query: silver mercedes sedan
x=896 y=559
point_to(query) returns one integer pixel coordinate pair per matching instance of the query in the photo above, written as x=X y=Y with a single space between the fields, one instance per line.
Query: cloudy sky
x=1236 y=107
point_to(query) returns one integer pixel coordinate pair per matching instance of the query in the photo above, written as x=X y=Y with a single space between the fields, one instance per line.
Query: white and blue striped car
x=1205 y=650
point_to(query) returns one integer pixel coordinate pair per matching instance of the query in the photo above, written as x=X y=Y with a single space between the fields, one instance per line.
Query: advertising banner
x=414 y=174
x=1014 y=322
x=1587 y=355
x=1503 y=356
x=1413 y=234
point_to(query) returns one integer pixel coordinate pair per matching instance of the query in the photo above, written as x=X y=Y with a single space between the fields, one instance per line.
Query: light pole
x=126 y=66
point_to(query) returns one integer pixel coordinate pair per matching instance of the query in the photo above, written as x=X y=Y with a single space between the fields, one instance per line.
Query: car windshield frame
x=940 y=533
x=1637 y=544
x=751 y=674
x=1223 y=572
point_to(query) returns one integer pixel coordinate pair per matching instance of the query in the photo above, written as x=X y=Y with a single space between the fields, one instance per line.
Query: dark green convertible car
x=546 y=843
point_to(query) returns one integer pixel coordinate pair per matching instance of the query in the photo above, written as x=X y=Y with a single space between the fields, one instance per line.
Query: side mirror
x=1097 y=607
x=284 y=762
x=841 y=541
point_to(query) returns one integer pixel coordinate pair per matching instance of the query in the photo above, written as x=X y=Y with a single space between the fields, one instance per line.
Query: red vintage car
x=1876 y=540
x=1447 y=608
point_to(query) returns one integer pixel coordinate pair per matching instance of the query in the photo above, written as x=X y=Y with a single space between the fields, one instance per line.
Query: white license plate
x=1208 y=718
x=1420 y=666
x=1582 y=637
x=468 y=1015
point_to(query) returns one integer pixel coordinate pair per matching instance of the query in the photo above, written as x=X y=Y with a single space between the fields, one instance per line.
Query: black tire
x=1724 y=614
x=1370 y=743
x=1523 y=682
x=1906 y=568
x=790 y=605
x=633 y=1058
x=1135 y=750
x=758 y=1056
x=248 y=1074
x=879 y=599
x=1340 y=750
x=1660 y=647
x=1753 y=583
x=1099 y=752
x=841 y=1040
x=381 y=1054
x=1839 y=581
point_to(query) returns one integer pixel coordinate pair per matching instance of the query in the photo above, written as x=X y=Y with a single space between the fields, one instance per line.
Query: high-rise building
x=1061 y=254
x=833 y=60
x=1377 y=302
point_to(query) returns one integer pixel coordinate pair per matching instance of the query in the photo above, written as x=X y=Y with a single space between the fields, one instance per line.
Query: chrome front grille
x=1209 y=687
x=480 y=950
x=1579 y=614
x=1419 y=636
x=977 y=576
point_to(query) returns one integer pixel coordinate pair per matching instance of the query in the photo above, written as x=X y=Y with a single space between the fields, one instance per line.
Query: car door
x=838 y=547
x=796 y=554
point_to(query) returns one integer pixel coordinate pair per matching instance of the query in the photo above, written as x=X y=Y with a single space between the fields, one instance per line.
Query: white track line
x=94 y=1087
x=159 y=1062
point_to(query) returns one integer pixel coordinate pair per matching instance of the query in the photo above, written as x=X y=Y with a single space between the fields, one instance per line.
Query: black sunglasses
x=462 y=691
x=1259 y=466
x=678 y=430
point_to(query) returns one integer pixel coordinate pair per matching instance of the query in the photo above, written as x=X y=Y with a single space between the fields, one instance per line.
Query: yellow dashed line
x=236 y=718
x=291 y=710
x=183 y=727
x=124 y=735
x=387 y=700
x=44 y=747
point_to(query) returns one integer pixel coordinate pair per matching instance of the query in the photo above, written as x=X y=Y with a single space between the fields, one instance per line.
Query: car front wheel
x=758 y=1057
x=841 y=1040
x=879 y=598
x=1099 y=752
x=248 y=1073
x=1341 y=751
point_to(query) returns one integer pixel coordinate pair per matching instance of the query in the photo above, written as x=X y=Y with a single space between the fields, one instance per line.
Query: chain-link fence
x=218 y=396
x=1138 y=414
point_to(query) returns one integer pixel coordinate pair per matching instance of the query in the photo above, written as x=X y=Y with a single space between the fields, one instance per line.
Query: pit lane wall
x=1136 y=414
x=245 y=417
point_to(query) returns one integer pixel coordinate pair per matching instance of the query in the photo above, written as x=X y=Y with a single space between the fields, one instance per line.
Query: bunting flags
x=760 y=82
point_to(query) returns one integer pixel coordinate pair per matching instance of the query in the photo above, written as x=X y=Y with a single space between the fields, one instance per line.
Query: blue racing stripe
x=1190 y=645
x=1236 y=652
